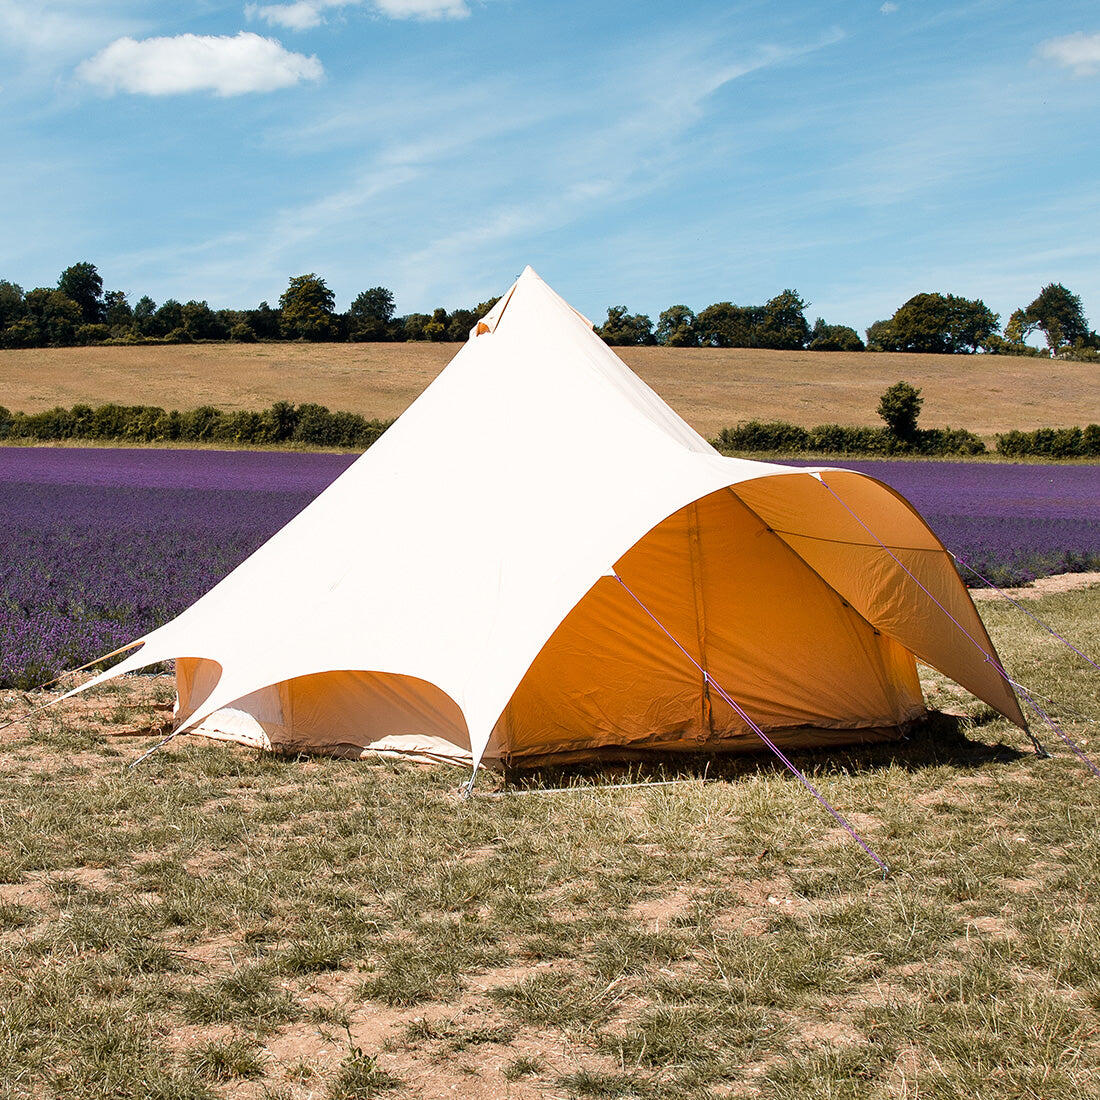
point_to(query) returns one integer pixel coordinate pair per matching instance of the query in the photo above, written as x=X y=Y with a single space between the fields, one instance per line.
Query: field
x=222 y=924
x=711 y=388
x=218 y=923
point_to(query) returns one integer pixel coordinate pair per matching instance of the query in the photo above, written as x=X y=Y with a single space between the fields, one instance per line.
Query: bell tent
x=542 y=561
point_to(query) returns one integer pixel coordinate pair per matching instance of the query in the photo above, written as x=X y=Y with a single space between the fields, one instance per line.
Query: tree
x=116 y=310
x=371 y=314
x=144 y=311
x=1019 y=328
x=200 y=322
x=782 y=323
x=169 y=318
x=55 y=315
x=459 y=324
x=724 y=325
x=880 y=337
x=900 y=407
x=82 y=284
x=307 y=307
x=825 y=337
x=676 y=328
x=412 y=326
x=264 y=322
x=972 y=323
x=941 y=323
x=435 y=328
x=11 y=303
x=622 y=329
x=1057 y=311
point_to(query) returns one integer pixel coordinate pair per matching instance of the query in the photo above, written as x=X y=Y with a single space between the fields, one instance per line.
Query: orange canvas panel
x=944 y=631
x=789 y=649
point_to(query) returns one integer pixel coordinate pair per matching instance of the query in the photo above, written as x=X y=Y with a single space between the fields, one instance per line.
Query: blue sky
x=633 y=153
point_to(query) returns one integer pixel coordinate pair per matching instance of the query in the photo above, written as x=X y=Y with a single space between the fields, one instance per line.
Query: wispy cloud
x=1079 y=52
x=477 y=190
x=222 y=64
x=50 y=29
x=888 y=8
x=302 y=15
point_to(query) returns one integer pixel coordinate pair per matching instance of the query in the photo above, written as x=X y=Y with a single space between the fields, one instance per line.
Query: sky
x=634 y=153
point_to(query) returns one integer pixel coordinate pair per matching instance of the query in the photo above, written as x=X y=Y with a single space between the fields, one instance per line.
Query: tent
x=541 y=560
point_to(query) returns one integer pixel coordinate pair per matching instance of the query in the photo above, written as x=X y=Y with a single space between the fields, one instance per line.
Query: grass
x=711 y=388
x=219 y=923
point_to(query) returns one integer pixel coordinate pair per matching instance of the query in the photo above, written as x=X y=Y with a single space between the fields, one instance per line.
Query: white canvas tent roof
x=452 y=592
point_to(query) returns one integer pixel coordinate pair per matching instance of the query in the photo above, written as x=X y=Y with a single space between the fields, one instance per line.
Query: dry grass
x=223 y=924
x=710 y=388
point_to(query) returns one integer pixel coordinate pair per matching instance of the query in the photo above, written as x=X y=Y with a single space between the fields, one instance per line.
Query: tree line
x=79 y=312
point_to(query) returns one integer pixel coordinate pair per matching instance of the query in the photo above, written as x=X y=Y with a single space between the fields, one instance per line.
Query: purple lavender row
x=98 y=546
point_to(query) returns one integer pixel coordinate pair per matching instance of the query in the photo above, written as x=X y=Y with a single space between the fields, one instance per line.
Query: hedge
x=315 y=425
x=1052 y=442
x=781 y=437
x=281 y=423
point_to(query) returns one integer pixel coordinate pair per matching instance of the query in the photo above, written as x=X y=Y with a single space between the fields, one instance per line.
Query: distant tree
x=782 y=324
x=91 y=334
x=241 y=333
x=973 y=323
x=413 y=324
x=1019 y=328
x=941 y=323
x=825 y=337
x=200 y=322
x=900 y=407
x=82 y=284
x=264 y=322
x=435 y=328
x=624 y=329
x=21 y=333
x=11 y=303
x=117 y=313
x=168 y=318
x=880 y=337
x=55 y=315
x=676 y=328
x=1057 y=311
x=371 y=315
x=144 y=311
x=307 y=307
x=724 y=325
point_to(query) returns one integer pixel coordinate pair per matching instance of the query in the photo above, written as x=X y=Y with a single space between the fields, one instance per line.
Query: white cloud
x=301 y=15
x=1079 y=52
x=888 y=8
x=423 y=9
x=296 y=17
x=221 y=64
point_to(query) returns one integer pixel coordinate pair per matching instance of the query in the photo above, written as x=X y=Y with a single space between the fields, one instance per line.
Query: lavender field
x=101 y=545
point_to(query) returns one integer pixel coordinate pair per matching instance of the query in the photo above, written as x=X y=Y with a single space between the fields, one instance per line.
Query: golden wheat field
x=711 y=388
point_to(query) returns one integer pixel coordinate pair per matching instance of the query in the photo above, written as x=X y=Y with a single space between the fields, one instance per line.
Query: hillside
x=711 y=388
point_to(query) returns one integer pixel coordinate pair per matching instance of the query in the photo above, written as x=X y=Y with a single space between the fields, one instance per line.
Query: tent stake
x=159 y=745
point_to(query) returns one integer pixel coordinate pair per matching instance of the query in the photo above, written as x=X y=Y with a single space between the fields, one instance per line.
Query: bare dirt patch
x=1044 y=586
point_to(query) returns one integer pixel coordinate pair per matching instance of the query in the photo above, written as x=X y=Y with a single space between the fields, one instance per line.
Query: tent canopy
x=453 y=592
